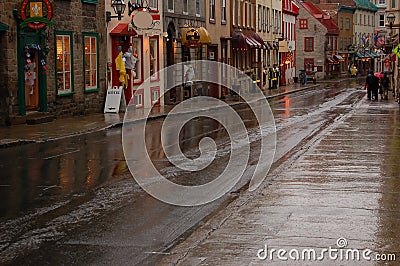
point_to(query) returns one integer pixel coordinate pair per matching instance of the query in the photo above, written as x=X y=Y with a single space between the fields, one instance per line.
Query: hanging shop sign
x=396 y=50
x=143 y=18
x=190 y=37
x=36 y=14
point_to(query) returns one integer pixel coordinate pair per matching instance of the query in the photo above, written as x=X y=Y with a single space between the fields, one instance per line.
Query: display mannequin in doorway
x=123 y=77
x=130 y=66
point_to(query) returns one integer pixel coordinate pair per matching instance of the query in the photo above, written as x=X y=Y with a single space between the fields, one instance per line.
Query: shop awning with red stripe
x=122 y=30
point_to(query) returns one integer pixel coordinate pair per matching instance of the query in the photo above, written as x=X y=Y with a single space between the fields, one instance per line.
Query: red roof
x=322 y=17
x=122 y=30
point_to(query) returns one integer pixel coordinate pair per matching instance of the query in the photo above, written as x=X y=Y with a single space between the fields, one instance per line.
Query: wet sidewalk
x=339 y=193
x=69 y=126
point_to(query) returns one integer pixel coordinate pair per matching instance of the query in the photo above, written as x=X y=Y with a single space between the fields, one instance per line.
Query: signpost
x=113 y=99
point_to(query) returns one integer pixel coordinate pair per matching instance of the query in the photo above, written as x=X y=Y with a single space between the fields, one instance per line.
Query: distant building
x=342 y=13
x=317 y=42
x=288 y=57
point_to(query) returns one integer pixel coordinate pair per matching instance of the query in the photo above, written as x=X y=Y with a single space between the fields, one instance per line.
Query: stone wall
x=74 y=16
x=316 y=30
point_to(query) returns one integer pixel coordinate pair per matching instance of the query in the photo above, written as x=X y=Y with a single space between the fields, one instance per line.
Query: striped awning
x=122 y=29
x=268 y=46
x=253 y=43
x=360 y=55
x=374 y=55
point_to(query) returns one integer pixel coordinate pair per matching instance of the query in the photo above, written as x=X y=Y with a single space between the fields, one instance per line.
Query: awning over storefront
x=194 y=37
x=122 y=30
x=268 y=46
x=338 y=57
x=375 y=55
x=204 y=35
x=242 y=41
x=258 y=38
x=239 y=40
x=367 y=55
x=359 y=55
x=331 y=60
x=253 y=43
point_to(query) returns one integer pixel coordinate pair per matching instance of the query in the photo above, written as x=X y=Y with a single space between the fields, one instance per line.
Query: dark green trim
x=3 y=27
x=71 y=48
x=90 y=2
x=27 y=36
x=66 y=94
x=96 y=35
x=92 y=90
x=36 y=20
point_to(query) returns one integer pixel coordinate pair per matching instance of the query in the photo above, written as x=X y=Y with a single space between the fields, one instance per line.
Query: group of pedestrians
x=375 y=85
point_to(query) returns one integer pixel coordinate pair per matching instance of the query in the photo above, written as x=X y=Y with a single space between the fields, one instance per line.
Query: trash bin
x=295 y=79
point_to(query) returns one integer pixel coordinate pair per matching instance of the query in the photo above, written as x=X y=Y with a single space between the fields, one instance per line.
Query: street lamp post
x=390 y=19
x=119 y=8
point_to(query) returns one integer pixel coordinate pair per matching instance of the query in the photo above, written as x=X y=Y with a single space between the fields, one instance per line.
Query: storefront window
x=137 y=75
x=154 y=58
x=91 y=61
x=64 y=63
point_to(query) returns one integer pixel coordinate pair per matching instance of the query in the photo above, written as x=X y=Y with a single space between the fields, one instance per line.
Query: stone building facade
x=178 y=17
x=310 y=42
x=51 y=56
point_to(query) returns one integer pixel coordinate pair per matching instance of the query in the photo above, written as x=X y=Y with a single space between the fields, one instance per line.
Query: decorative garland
x=37 y=47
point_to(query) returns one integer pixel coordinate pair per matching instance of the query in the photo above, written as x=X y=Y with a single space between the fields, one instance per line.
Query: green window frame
x=95 y=2
x=64 y=70
x=91 y=77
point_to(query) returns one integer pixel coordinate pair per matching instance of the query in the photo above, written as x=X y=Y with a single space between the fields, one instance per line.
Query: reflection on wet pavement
x=344 y=184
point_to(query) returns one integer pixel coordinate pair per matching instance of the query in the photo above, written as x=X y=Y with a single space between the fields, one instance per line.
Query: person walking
x=372 y=85
x=385 y=86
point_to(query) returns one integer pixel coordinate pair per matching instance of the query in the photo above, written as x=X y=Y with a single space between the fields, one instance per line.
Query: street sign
x=113 y=99
x=396 y=50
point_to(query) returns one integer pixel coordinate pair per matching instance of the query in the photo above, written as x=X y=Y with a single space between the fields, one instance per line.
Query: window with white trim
x=233 y=13
x=223 y=11
x=212 y=10
x=260 y=18
x=154 y=58
x=185 y=7
x=170 y=5
x=64 y=62
x=381 y=20
x=239 y=11
x=137 y=50
x=268 y=20
x=197 y=8
x=153 y=4
x=91 y=64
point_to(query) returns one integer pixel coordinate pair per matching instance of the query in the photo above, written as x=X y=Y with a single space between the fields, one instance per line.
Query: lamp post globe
x=119 y=7
x=390 y=19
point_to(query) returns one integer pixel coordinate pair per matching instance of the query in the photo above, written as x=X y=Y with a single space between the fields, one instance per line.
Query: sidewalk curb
x=19 y=142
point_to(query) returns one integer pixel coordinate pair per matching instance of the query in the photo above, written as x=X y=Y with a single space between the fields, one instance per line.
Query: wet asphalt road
x=339 y=192
x=72 y=201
